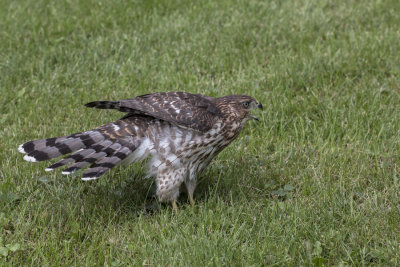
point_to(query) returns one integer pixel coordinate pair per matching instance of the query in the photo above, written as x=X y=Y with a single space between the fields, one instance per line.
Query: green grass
x=316 y=182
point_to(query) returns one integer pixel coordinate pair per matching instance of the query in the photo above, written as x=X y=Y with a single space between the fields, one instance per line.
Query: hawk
x=180 y=132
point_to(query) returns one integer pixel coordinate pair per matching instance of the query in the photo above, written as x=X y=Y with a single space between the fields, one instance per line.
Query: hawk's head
x=239 y=107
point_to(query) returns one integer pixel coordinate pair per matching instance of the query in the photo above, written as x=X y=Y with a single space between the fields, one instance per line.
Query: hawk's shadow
x=131 y=192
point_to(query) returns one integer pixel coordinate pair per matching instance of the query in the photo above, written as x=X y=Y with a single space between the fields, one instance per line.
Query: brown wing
x=187 y=110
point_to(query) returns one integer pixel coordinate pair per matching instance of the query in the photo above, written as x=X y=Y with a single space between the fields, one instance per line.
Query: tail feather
x=92 y=158
x=40 y=150
x=81 y=155
x=32 y=146
x=105 y=164
x=97 y=149
x=84 y=163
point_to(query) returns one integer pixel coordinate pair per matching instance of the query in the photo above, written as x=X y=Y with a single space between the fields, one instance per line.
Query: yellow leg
x=191 y=200
x=174 y=206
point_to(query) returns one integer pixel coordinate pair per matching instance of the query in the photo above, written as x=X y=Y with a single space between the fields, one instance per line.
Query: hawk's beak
x=254 y=117
x=260 y=106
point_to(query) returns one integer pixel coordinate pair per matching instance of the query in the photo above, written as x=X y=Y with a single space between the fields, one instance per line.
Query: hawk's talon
x=191 y=200
x=174 y=206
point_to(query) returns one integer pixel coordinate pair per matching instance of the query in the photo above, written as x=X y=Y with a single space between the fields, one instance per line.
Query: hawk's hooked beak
x=260 y=106
x=254 y=118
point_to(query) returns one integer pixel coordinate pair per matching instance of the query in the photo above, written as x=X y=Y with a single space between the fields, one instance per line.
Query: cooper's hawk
x=180 y=133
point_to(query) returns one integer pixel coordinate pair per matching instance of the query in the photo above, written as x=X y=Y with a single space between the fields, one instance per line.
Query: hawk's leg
x=190 y=184
x=174 y=206
x=191 y=200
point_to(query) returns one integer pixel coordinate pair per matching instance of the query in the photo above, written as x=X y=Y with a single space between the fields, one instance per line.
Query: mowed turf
x=315 y=182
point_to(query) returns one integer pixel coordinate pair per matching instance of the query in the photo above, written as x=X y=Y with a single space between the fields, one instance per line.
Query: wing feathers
x=191 y=111
x=102 y=104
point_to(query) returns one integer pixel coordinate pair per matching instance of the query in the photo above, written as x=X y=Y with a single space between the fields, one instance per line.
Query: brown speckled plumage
x=180 y=132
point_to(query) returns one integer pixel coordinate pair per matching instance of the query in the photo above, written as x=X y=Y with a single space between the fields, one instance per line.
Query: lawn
x=315 y=182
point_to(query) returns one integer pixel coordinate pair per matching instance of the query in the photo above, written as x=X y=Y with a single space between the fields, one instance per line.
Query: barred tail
x=96 y=148
x=40 y=150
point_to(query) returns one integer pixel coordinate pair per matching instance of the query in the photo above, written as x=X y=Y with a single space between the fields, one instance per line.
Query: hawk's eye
x=246 y=104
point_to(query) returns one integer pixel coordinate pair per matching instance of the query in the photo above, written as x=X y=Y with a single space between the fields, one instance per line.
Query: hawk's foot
x=174 y=206
x=191 y=200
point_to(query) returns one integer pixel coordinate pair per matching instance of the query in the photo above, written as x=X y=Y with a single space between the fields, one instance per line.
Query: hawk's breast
x=175 y=147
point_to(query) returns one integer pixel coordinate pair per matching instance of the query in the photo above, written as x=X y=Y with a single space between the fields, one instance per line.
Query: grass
x=316 y=182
